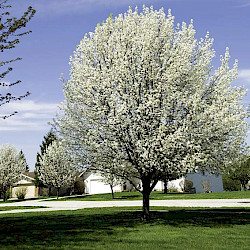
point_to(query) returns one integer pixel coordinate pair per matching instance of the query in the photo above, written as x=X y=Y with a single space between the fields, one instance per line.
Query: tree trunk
x=243 y=186
x=112 y=191
x=49 y=191
x=165 y=186
x=145 y=207
x=57 y=192
x=4 y=196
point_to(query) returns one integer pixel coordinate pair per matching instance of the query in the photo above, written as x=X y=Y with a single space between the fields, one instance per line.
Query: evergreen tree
x=22 y=157
x=9 y=38
x=48 y=139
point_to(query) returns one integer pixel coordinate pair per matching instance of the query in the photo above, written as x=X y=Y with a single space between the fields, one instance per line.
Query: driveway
x=74 y=205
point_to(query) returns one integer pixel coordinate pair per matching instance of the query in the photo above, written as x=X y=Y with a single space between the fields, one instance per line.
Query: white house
x=94 y=184
x=201 y=183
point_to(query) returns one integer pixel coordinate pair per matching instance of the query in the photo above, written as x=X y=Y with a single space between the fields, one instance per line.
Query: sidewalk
x=74 y=205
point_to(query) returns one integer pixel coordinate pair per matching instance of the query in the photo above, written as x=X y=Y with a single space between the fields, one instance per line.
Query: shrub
x=230 y=184
x=188 y=184
x=206 y=186
x=79 y=186
x=21 y=193
x=173 y=190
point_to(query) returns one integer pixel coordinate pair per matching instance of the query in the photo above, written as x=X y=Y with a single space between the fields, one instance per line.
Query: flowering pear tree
x=56 y=167
x=142 y=94
x=112 y=180
x=12 y=165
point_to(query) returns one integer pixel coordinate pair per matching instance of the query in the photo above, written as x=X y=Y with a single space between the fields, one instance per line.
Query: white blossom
x=142 y=95
x=12 y=165
x=57 y=168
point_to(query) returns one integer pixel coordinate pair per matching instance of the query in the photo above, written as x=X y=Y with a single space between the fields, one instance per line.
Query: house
x=206 y=183
x=94 y=184
x=175 y=184
x=202 y=183
x=27 y=180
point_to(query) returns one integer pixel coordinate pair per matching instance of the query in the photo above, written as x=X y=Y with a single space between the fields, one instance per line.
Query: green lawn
x=29 y=199
x=121 y=228
x=161 y=196
x=19 y=207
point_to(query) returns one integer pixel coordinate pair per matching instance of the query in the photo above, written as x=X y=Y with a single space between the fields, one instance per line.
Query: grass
x=160 y=196
x=28 y=199
x=121 y=228
x=7 y=208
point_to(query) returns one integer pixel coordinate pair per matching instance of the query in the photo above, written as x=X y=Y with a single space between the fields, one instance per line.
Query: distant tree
x=22 y=157
x=57 y=168
x=241 y=172
x=9 y=38
x=112 y=180
x=229 y=184
x=47 y=140
x=11 y=167
x=166 y=178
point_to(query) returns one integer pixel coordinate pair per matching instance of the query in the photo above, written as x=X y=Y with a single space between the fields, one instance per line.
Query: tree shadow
x=127 y=197
x=204 y=217
x=91 y=225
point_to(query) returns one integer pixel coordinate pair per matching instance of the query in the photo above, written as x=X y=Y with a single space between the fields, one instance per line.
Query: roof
x=30 y=174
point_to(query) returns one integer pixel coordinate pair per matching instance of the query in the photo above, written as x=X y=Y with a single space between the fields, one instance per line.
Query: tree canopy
x=9 y=38
x=143 y=99
x=56 y=167
x=12 y=165
x=47 y=141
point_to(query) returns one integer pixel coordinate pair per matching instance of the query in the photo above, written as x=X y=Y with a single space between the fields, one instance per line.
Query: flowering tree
x=56 y=167
x=142 y=95
x=12 y=165
x=112 y=180
x=9 y=38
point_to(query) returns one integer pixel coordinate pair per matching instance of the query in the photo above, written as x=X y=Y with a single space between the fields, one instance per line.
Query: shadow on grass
x=91 y=225
x=127 y=197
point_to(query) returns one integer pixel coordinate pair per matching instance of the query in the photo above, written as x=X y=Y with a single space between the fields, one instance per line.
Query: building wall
x=31 y=191
x=95 y=185
x=215 y=182
x=175 y=184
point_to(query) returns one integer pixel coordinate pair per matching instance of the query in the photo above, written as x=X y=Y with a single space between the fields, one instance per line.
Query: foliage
x=47 y=140
x=112 y=180
x=79 y=186
x=188 y=184
x=22 y=157
x=21 y=193
x=206 y=185
x=229 y=184
x=57 y=168
x=9 y=39
x=240 y=172
x=143 y=100
x=11 y=167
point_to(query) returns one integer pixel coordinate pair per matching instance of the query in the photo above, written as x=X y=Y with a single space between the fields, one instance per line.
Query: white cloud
x=244 y=74
x=31 y=116
x=242 y=3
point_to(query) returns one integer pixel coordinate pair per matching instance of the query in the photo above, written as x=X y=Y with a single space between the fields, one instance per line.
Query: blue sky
x=58 y=27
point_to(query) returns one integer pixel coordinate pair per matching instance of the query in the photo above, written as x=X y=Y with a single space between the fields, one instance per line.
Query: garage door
x=98 y=187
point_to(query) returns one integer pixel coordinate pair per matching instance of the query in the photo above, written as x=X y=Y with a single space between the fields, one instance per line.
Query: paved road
x=74 y=205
